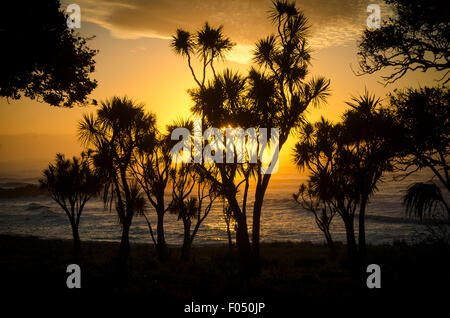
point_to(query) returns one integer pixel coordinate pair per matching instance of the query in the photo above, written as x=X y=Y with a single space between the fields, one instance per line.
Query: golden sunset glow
x=135 y=59
x=225 y=156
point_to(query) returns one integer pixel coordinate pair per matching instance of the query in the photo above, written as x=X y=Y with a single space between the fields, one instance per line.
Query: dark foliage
x=71 y=183
x=41 y=57
x=417 y=37
x=421 y=117
x=120 y=128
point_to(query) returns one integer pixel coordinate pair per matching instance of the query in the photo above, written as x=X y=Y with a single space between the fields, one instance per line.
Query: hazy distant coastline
x=24 y=156
x=17 y=190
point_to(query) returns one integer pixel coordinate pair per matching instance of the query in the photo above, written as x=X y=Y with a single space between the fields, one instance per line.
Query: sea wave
x=43 y=210
x=281 y=219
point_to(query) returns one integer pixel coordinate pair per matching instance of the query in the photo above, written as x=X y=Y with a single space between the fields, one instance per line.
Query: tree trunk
x=329 y=238
x=185 y=251
x=256 y=225
x=242 y=237
x=256 y=232
x=230 y=240
x=76 y=238
x=243 y=245
x=161 y=245
x=124 y=248
x=257 y=208
x=362 y=229
x=351 y=241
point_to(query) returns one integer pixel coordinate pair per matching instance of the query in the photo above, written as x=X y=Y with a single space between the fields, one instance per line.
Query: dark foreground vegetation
x=288 y=271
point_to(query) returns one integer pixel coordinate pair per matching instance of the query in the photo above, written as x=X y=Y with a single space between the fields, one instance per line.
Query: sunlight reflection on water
x=281 y=219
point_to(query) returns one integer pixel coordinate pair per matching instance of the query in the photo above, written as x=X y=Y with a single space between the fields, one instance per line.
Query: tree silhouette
x=192 y=199
x=208 y=43
x=347 y=160
x=71 y=183
x=152 y=170
x=422 y=115
x=369 y=131
x=415 y=38
x=275 y=91
x=424 y=199
x=219 y=103
x=119 y=129
x=222 y=102
x=283 y=61
x=230 y=222
x=322 y=151
x=193 y=192
x=307 y=197
x=43 y=59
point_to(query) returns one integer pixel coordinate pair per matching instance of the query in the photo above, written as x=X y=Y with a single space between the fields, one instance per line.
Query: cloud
x=334 y=22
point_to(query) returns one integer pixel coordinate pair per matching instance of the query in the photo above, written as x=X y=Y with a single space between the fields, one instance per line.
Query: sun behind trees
x=130 y=162
x=275 y=93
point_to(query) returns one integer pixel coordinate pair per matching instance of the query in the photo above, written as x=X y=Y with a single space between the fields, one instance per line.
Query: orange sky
x=135 y=59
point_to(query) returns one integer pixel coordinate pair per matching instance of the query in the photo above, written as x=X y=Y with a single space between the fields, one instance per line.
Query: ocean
x=282 y=219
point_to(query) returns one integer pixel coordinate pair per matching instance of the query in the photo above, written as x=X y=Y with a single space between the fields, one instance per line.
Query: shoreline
x=206 y=245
